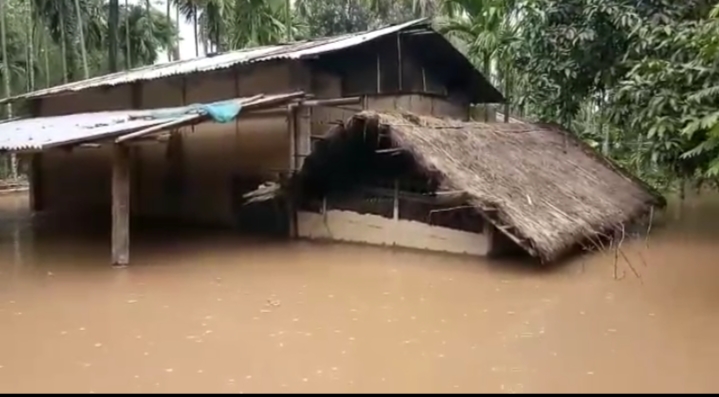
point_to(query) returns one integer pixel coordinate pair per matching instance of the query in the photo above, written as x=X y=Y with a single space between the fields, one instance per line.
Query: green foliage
x=333 y=17
x=638 y=79
x=669 y=94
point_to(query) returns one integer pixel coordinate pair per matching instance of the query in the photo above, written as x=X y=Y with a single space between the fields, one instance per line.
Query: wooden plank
x=120 y=205
x=158 y=128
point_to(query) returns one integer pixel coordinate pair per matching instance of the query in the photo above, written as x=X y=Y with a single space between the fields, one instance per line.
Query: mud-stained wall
x=379 y=230
x=215 y=155
x=76 y=182
x=93 y=100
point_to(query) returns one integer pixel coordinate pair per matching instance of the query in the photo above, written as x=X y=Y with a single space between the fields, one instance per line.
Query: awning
x=42 y=133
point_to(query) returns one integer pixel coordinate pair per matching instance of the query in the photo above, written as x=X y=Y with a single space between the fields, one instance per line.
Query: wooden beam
x=120 y=205
x=157 y=128
x=332 y=101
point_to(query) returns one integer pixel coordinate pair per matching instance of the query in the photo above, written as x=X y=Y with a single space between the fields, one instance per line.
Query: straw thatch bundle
x=538 y=184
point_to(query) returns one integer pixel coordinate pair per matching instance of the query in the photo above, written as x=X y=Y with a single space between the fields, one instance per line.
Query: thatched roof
x=538 y=184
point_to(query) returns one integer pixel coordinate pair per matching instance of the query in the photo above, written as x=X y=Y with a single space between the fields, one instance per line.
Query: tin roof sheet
x=40 y=133
x=214 y=62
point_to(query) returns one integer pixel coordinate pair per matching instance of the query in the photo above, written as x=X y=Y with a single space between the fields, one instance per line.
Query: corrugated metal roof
x=44 y=132
x=258 y=54
x=41 y=133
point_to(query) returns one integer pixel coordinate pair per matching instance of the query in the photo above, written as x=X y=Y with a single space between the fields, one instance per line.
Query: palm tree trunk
x=112 y=24
x=194 y=26
x=63 y=46
x=288 y=20
x=219 y=32
x=28 y=37
x=83 y=49
x=487 y=65
x=6 y=78
x=507 y=94
x=45 y=44
x=640 y=143
x=148 y=12
x=128 y=47
x=177 y=21
x=31 y=46
x=169 y=23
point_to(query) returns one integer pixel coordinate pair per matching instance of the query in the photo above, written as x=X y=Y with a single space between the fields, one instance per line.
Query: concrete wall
x=79 y=181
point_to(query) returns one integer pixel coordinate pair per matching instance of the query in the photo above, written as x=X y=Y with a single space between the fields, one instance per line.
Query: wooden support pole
x=37 y=202
x=379 y=74
x=292 y=137
x=395 y=212
x=158 y=128
x=303 y=135
x=332 y=101
x=399 y=62
x=120 y=205
x=292 y=168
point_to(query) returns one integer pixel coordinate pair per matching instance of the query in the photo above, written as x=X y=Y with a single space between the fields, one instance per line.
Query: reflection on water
x=220 y=313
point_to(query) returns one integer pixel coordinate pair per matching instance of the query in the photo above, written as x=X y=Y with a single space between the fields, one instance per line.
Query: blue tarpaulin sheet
x=220 y=112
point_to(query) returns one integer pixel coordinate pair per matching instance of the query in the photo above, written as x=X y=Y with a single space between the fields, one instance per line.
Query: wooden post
x=37 y=203
x=395 y=212
x=399 y=62
x=292 y=137
x=490 y=239
x=303 y=135
x=379 y=74
x=120 y=205
x=292 y=168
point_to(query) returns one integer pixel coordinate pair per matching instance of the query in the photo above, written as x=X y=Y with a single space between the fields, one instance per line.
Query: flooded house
x=420 y=181
x=366 y=135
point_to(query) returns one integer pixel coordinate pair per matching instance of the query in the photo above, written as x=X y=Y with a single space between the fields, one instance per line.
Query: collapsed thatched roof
x=538 y=184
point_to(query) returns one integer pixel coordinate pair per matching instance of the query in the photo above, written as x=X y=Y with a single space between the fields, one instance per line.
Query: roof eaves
x=297 y=50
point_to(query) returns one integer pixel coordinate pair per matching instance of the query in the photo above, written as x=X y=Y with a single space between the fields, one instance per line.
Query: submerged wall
x=396 y=217
x=377 y=230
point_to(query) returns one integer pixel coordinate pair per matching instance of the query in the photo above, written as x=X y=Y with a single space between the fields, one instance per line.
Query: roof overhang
x=42 y=133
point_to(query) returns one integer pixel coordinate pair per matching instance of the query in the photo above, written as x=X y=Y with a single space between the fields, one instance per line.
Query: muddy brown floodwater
x=221 y=313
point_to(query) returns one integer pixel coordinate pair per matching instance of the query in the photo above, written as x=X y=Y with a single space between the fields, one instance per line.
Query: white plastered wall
x=377 y=230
